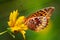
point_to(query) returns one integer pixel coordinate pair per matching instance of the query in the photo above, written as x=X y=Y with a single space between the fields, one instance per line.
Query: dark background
x=27 y=7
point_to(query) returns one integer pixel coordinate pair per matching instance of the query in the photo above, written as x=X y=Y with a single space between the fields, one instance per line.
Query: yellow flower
x=17 y=23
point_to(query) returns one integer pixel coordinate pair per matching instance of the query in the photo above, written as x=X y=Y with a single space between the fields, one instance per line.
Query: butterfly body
x=39 y=20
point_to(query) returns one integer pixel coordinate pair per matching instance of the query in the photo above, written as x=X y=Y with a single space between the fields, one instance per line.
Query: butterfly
x=40 y=19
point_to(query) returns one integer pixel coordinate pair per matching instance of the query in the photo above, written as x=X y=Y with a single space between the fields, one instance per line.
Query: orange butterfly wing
x=39 y=19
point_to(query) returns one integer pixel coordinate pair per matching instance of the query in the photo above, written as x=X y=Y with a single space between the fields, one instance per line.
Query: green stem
x=3 y=32
x=12 y=35
x=8 y=30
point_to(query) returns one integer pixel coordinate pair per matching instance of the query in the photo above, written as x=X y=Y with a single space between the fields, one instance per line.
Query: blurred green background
x=27 y=7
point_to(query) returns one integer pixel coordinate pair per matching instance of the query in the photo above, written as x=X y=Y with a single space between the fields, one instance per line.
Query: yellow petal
x=12 y=18
x=17 y=24
x=23 y=33
x=19 y=21
x=24 y=27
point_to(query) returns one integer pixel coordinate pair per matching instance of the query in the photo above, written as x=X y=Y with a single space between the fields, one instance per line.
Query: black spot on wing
x=46 y=10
